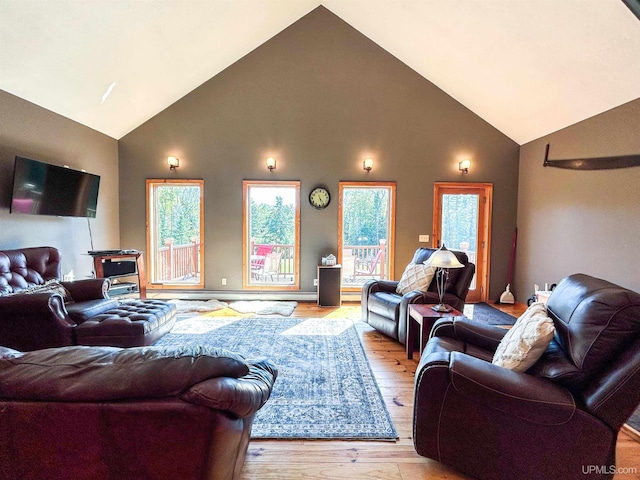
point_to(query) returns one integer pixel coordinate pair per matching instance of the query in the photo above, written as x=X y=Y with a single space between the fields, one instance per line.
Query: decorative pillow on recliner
x=526 y=341
x=417 y=276
x=50 y=286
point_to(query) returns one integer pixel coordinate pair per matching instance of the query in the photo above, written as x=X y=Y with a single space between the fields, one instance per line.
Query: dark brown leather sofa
x=560 y=418
x=82 y=314
x=386 y=310
x=94 y=413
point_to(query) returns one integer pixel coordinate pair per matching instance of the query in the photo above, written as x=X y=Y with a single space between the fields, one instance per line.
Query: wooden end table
x=422 y=316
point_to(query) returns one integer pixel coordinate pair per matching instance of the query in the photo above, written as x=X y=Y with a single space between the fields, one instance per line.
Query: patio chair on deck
x=366 y=267
x=258 y=259
x=271 y=266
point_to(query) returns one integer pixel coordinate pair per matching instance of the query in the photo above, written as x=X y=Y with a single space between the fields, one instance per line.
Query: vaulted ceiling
x=528 y=67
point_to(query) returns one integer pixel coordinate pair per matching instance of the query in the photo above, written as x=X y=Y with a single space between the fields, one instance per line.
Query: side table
x=422 y=316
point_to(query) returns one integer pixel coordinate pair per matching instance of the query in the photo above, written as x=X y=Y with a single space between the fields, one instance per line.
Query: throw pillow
x=417 y=276
x=50 y=286
x=527 y=340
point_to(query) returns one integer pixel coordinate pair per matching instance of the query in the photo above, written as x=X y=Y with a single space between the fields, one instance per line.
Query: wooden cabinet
x=120 y=265
x=329 y=280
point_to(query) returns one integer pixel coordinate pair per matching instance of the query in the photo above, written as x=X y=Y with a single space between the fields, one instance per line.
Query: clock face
x=319 y=197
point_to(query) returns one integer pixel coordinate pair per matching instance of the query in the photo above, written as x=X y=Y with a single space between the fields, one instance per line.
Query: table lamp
x=443 y=259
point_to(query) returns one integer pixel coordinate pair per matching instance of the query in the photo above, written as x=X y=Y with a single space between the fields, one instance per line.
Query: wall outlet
x=315 y=282
x=224 y=281
x=423 y=238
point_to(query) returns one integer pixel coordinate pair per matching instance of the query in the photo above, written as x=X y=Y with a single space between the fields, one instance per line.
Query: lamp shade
x=443 y=258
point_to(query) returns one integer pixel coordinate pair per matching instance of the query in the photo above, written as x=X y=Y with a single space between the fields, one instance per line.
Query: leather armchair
x=93 y=413
x=553 y=421
x=43 y=320
x=387 y=311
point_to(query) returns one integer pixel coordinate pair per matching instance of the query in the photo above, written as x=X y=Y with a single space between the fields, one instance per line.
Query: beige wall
x=31 y=131
x=581 y=221
x=319 y=96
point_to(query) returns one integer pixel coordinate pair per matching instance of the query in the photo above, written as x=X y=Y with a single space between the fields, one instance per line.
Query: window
x=366 y=232
x=271 y=235
x=174 y=233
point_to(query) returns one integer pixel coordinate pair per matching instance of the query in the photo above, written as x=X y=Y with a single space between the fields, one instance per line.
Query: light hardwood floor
x=359 y=460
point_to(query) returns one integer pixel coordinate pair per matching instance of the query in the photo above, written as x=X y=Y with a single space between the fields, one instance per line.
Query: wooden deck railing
x=367 y=261
x=177 y=262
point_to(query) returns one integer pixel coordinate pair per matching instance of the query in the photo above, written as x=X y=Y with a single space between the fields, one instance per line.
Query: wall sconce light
x=173 y=163
x=271 y=164
x=367 y=164
x=463 y=166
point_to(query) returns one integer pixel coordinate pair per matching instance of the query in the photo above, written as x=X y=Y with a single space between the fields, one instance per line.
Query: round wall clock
x=319 y=198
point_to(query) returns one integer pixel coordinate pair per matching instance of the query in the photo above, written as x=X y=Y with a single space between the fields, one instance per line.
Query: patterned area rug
x=325 y=387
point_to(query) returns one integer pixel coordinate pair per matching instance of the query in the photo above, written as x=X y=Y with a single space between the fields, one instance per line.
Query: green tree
x=178 y=213
x=365 y=216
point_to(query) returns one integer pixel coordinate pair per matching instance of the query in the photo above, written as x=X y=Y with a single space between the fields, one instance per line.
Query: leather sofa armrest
x=38 y=307
x=383 y=286
x=527 y=397
x=88 y=289
x=242 y=396
x=487 y=337
x=45 y=302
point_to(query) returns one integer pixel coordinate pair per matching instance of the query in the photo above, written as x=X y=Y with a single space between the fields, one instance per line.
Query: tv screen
x=43 y=189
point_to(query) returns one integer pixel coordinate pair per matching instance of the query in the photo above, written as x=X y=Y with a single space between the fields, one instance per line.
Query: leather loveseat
x=387 y=311
x=37 y=310
x=558 y=419
x=93 y=413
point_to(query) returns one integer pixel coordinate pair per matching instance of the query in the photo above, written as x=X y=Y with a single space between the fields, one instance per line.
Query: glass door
x=174 y=233
x=366 y=232
x=462 y=216
x=271 y=235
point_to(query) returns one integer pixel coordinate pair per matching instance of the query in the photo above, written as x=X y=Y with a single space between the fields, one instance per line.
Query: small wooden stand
x=98 y=262
x=329 y=279
x=423 y=316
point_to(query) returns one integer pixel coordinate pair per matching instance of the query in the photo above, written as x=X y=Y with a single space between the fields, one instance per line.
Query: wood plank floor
x=359 y=460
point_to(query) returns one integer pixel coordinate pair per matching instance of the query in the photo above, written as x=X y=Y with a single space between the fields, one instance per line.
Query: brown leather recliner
x=94 y=413
x=387 y=311
x=560 y=418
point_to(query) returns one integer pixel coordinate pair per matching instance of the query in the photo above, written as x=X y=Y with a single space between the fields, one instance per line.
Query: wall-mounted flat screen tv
x=43 y=189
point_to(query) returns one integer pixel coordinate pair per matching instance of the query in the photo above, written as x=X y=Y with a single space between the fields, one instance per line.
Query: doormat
x=325 y=387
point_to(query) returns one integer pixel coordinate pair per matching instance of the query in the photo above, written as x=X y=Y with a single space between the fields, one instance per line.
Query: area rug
x=485 y=313
x=187 y=306
x=261 y=307
x=325 y=387
x=634 y=420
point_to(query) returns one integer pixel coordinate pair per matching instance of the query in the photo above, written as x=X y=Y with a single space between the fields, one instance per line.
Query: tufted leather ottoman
x=133 y=323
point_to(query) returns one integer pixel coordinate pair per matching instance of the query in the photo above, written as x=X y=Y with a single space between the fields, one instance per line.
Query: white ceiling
x=528 y=67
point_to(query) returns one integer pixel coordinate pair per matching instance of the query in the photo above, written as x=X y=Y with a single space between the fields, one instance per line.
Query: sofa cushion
x=415 y=277
x=385 y=304
x=526 y=341
x=88 y=374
